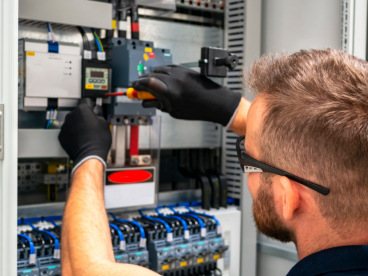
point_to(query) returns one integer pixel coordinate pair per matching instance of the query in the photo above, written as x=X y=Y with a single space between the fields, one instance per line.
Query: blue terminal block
x=196 y=253
x=50 y=268
x=183 y=242
x=36 y=250
x=133 y=250
x=28 y=272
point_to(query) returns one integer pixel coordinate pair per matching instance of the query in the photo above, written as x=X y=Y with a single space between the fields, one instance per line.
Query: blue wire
x=121 y=236
x=57 y=246
x=97 y=42
x=31 y=245
x=48 y=124
x=167 y=226
x=141 y=230
x=53 y=223
x=52 y=218
x=185 y=225
x=200 y=221
x=206 y=215
x=49 y=121
x=48 y=27
x=28 y=220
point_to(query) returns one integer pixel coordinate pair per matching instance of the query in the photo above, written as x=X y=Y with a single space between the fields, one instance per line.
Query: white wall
x=290 y=25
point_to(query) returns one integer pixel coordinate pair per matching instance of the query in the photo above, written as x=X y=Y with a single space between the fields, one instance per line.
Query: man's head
x=310 y=118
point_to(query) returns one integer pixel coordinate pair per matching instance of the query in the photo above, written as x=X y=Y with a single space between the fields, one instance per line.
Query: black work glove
x=186 y=94
x=85 y=136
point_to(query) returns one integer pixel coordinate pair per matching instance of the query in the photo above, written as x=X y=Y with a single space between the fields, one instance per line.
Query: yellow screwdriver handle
x=142 y=95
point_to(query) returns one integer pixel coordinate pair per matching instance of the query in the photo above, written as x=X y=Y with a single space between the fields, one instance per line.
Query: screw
x=146 y=160
x=134 y=161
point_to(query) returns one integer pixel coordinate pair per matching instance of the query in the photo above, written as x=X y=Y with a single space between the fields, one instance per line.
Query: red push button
x=103 y=87
x=151 y=55
x=133 y=176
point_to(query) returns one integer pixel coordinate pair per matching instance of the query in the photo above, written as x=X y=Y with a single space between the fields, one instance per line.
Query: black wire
x=86 y=44
x=134 y=19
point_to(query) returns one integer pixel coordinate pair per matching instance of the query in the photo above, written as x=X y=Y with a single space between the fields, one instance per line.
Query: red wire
x=114 y=94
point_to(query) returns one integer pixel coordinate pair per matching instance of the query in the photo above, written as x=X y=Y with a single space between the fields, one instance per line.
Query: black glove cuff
x=227 y=107
x=76 y=165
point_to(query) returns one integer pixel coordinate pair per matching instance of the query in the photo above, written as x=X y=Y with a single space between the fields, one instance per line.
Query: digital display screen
x=97 y=74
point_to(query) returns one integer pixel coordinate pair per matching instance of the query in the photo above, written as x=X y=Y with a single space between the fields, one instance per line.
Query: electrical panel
x=58 y=68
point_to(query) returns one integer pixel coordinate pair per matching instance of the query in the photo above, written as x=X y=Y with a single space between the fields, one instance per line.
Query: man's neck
x=311 y=239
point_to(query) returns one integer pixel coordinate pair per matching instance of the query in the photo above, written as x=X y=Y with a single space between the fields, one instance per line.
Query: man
x=305 y=152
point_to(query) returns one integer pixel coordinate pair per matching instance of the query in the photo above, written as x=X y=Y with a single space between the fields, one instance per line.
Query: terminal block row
x=170 y=241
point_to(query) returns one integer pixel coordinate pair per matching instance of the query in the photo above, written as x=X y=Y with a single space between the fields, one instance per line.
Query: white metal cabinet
x=8 y=166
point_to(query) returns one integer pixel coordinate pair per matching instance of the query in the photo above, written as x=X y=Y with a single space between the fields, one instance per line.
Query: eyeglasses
x=249 y=164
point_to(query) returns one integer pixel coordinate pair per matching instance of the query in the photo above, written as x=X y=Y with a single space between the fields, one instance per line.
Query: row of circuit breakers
x=171 y=240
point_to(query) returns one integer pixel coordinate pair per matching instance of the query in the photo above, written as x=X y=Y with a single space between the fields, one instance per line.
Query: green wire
x=102 y=48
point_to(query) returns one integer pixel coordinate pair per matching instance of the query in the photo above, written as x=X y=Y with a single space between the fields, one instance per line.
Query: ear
x=290 y=197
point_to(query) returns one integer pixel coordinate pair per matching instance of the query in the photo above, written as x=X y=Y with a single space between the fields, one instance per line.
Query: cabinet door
x=8 y=165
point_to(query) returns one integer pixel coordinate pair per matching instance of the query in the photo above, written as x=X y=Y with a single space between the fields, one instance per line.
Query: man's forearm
x=238 y=125
x=86 y=237
x=86 y=240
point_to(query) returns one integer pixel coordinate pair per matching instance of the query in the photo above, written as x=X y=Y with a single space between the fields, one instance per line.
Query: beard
x=265 y=216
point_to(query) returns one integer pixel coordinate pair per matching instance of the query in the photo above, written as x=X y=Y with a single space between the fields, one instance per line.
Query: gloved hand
x=85 y=136
x=186 y=94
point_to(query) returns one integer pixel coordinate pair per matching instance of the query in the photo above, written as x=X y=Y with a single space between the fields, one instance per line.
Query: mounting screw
x=134 y=161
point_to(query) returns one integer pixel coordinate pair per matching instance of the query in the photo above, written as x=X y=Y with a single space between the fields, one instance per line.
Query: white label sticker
x=122 y=245
x=32 y=258
x=142 y=243
x=57 y=254
x=186 y=234
x=203 y=232
x=53 y=115
x=101 y=56
x=123 y=25
x=87 y=54
x=169 y=237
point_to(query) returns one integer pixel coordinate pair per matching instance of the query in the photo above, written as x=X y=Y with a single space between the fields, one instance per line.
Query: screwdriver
x=142 y=95
x=131 y=93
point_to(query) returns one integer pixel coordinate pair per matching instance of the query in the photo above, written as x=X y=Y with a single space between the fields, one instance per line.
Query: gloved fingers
x=168 y=69
x=150 y=84
x=152 y=103
x=89 y=102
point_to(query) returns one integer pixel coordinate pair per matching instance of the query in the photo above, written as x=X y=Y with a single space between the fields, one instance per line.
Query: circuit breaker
x=132 y=58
